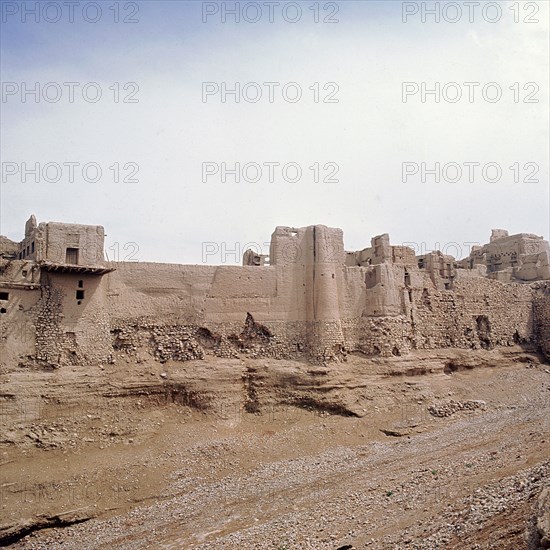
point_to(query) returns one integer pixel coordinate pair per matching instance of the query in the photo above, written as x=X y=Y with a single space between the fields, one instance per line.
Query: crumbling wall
x=401 y=308
x=541 y=307
x=297 y=299
x=71 y=330
x=384 y=336
x=228 y=302
x=49 y=336
x=147 y=338
x=18 y=323
x=306 y=302
x=478 y=313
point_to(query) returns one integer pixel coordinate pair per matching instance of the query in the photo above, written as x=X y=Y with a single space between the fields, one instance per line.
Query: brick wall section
x=542 y=317
x=184 y=342
x=49 y=336
x=68 y=332
x=310 y=305
x=477 y=313
x=384 y=336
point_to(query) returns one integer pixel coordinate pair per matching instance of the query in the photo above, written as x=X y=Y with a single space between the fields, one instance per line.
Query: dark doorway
x=71 y=256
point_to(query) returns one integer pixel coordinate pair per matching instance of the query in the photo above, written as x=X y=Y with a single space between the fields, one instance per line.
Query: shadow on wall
x=484 y=331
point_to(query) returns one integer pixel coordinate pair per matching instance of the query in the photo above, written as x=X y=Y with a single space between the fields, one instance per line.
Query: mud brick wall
x=477 y=313
x=326 y=340
x=305 y=304
x=49 y=336
x=69 y=332
x=541 y=307
x=146 y=337
x=383 y=336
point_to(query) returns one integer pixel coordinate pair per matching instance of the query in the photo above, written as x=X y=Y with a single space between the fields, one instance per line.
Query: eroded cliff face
x=440 y=431
x=541 y=310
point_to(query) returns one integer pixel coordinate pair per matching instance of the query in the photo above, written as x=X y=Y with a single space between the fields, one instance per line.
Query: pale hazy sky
x=168 y=132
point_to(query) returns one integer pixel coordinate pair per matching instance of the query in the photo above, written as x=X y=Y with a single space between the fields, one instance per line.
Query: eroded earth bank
x=436 y=449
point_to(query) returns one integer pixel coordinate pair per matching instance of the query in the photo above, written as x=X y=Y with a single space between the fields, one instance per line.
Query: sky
x=338 y=113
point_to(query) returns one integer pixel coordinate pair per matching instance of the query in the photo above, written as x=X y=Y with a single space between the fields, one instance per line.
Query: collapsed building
x=62 y=303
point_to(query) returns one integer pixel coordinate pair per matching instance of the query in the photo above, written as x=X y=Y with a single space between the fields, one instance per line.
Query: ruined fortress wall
x=159 y=298
x=18 y=305
x=477 y=313
x=71 y=330
x=45 y=321
x=410 y=312
x=298 y=299
x=169 y=303
x=307 y=300
x=541 y=307
x=17 y=325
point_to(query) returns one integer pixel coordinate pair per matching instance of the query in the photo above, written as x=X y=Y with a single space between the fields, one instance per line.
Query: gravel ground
x=465 y=473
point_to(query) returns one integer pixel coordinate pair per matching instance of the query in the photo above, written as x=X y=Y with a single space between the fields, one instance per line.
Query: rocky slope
x=430 y=450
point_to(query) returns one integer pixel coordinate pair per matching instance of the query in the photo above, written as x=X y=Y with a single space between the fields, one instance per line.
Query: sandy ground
x=444 y=449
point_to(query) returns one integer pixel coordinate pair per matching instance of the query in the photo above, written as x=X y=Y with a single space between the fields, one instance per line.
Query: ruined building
x=62 y=303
